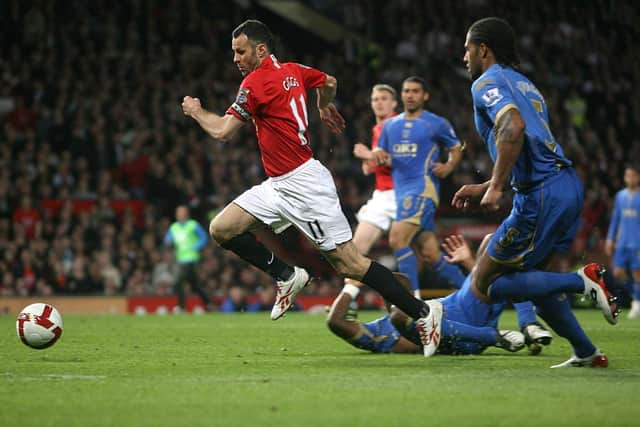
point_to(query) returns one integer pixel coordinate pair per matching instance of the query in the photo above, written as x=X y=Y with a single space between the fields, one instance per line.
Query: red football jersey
x=274 y=97
x=383 y=173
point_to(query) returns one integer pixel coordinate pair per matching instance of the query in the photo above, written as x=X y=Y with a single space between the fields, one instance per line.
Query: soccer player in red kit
x=299 y=190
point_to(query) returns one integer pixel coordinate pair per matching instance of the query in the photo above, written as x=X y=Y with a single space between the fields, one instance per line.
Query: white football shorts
x=305 y=197
x=380 y=210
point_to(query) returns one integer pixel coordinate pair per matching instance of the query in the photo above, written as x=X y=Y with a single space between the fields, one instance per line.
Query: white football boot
x=597 y=360
x=510 y=340
x=429 y=328
x=595 y=288
x=286 y=292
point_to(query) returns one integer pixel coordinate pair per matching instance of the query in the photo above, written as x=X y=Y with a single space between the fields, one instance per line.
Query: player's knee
x=397 y=241
x=218 y=231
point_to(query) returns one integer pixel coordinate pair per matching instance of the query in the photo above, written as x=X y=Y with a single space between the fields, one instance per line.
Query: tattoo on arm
x=510 y=127
x=509 y=139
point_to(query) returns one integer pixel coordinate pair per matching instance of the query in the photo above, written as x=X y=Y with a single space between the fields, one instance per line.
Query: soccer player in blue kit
x=410 y=143
x=511 y=117
x=469 y=325
x=623 y=239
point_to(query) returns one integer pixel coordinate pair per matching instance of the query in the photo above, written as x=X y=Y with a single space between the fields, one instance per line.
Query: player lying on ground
x=467 y=316
x=380 y=336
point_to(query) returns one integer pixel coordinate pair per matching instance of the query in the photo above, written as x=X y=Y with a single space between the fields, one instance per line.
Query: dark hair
x=633 y=166
x=416 y=79
x=256 y=32
x=499 y=36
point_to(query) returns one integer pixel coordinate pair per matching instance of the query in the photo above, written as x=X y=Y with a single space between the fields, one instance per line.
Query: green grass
x=245 y=370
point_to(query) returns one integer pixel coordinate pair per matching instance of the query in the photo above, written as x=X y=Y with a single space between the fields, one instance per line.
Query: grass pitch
x=245 y=370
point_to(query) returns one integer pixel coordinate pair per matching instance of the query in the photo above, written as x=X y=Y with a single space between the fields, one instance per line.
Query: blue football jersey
x=500 y=89
x=414 y=145
x=625 y=221
x=378 y=336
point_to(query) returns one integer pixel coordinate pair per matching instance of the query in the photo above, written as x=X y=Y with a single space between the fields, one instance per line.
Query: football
x=39 y=325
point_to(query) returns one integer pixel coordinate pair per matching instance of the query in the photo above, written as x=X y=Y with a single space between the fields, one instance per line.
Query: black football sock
x=381 y=279
x=247 y=247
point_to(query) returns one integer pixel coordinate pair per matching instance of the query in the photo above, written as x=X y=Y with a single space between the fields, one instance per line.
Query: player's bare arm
x=219 y=127
x=337 y=319
x=443 y=170
x=509 y=140
x=328 y=112
x=363 y=153
x=467 y=193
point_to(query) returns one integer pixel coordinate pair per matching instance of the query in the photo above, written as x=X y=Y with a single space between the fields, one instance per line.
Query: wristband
x=351 y=290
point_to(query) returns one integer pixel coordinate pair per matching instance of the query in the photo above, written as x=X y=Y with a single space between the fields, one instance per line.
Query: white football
x=39 y=325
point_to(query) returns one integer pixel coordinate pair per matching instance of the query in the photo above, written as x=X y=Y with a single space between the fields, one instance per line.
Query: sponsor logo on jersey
x=405 y=148
x=491 y=97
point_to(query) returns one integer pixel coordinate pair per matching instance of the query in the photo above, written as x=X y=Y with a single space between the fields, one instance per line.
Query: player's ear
x=394 y=103
x=484 y=50
x=426 y=97
x=261 y=50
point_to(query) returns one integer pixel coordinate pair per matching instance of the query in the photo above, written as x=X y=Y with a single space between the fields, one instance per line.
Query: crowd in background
x=90 y=98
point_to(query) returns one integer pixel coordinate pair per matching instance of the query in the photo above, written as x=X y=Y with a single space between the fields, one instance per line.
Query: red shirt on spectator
x=22 y=119
x=135 y=171
x=29 y=218
x=274 y=96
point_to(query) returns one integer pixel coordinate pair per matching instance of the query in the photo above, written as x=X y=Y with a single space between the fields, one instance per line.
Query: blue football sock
x=528 y=285
x=526 y=313
x=408 y=265
x=556 y=311
x=449 y=272
x=636 y=290
x=462 y=332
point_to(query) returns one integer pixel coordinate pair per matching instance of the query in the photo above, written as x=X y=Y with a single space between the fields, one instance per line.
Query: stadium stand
x=95 y=153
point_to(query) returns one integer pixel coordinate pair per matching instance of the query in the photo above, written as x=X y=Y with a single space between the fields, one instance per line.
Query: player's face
x=244 y=54
x=413 y=96
x=181 y=213
x=472 y=58
x=631 y=178
x=382 y=103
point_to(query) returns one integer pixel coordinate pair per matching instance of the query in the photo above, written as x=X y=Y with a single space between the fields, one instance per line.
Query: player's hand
x=609 y=246
x=457 y=249
x=465 y=195
x=361 y=151
x=381 y=157
x=491 y=200
x=332 y=118
x=190 y=106
x=441 y=170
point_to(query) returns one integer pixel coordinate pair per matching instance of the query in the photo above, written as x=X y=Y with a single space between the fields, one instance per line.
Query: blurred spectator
x=235 y=301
